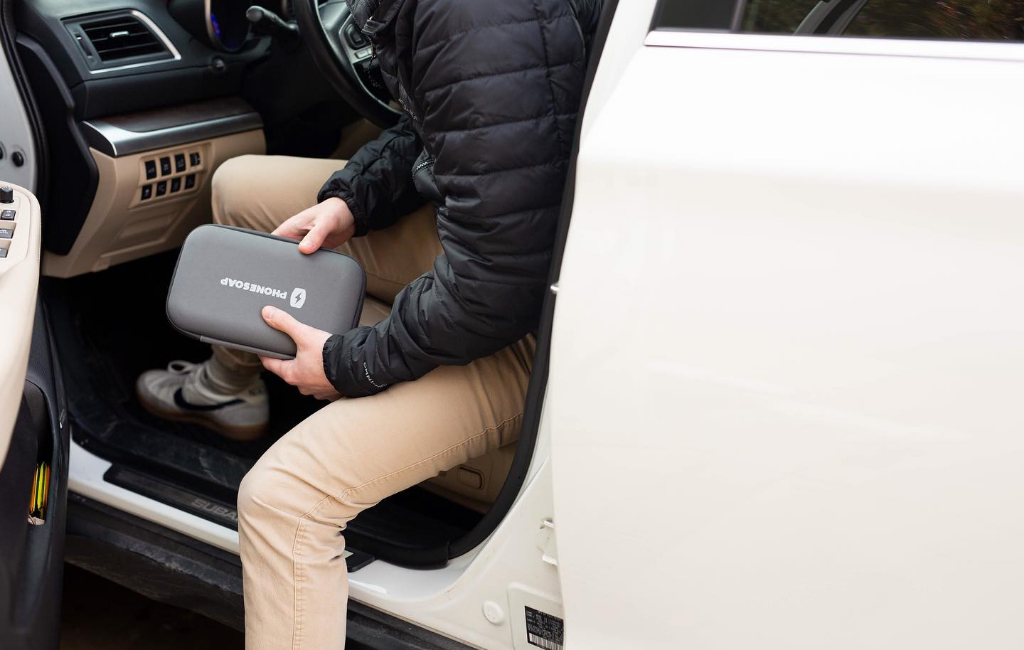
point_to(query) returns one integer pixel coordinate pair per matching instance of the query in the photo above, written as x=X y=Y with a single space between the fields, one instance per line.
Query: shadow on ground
x=100 y=615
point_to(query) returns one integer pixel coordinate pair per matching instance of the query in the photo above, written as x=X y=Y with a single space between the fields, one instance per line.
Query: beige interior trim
x=476 y=483
x=353 y=137
x=19 y=283
x=123 y=226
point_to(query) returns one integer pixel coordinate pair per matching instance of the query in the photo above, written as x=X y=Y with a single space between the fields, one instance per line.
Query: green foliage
x=948 y=19
x=776 y=16
x=937 y=19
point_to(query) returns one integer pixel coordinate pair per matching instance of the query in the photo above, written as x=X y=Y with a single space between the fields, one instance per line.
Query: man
x=491 y=92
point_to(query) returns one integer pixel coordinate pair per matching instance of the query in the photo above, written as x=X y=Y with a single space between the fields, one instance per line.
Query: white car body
x=786 y=382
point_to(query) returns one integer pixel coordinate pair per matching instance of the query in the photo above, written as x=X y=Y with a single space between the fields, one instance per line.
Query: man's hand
x=328 y=224
x=306 y=370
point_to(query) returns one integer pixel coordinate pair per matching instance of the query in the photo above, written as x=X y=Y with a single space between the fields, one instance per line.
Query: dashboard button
x=176 y=184
x=6 y=233
x=161 y=188
x=190 y=181
x=179 y=162
x=7 y=215
x=6 y=194
x=3 y=253
x=165 y=166
x=150 y=170
x=194 y=158
x=147 y=191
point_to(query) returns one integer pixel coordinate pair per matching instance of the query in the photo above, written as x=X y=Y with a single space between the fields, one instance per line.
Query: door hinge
x=546 y=543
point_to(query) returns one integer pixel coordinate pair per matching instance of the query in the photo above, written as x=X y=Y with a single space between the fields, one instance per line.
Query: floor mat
x=111 y=326
x=119 y=318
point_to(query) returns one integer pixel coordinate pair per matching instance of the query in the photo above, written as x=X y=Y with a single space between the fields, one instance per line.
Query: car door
x=788 y=346
x=33 y=443
x=33 y=437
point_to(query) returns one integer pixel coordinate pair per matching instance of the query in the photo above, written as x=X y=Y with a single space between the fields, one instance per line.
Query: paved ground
x=99 y=615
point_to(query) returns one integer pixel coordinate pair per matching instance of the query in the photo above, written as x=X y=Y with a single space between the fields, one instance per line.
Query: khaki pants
x=295 y=502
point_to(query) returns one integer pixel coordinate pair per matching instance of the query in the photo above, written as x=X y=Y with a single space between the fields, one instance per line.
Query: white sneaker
x=181 y=394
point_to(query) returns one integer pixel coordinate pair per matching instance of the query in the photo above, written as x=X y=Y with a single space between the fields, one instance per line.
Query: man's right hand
x=326 y=225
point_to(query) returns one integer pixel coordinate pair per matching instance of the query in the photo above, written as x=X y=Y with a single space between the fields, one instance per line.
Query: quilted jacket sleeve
x=498 y=85
x=377 y=182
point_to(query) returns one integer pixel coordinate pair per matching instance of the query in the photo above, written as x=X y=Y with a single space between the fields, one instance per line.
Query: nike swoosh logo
x=179 y=400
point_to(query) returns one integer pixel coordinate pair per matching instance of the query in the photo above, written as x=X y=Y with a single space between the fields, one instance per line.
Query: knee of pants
x=270 y=494
x=229 y=189
x=256 y=496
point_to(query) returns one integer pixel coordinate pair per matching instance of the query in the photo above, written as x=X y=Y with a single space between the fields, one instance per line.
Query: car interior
x=136 y=103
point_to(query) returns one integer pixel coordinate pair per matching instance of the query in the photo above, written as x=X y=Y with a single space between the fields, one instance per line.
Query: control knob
x=6 y=194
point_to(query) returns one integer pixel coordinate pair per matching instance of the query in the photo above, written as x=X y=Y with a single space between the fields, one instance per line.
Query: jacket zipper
x=429 y=160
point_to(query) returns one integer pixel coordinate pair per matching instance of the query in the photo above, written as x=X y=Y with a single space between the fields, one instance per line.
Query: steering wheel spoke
x=333 y=15
x=341 y=51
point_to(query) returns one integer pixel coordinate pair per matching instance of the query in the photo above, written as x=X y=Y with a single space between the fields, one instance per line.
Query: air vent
x=119 y=39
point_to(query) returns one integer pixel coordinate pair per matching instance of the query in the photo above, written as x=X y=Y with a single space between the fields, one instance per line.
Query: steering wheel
x=343 y=54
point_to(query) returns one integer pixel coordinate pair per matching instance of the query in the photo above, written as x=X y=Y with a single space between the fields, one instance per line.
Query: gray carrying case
x=225 y=276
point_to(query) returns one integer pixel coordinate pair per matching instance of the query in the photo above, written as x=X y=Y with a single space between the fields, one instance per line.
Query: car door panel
x=807 y=425
x=33 y=445
x=19 y=283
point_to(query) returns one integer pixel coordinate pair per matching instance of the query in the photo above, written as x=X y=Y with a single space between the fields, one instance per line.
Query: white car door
x=787 y=370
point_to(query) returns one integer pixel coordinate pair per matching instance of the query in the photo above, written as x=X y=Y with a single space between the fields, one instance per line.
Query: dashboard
x=119 y=85
x=220 y=23
x=227 y=26
x=114 y=56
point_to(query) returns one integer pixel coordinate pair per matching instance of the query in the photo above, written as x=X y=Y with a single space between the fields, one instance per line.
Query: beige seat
x=475 y=484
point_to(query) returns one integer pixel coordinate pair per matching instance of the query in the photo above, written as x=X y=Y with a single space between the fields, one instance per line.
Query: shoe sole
x=237 y=433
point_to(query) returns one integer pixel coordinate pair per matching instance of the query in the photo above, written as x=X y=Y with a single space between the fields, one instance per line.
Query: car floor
x=111 y=326
x=118 y=315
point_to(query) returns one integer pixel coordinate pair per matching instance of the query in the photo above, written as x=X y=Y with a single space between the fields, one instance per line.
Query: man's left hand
x=306 y=370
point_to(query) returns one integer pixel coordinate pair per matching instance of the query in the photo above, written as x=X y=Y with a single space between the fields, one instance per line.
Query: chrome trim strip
x=990 y=51
x=116 y=141
x=144 y=19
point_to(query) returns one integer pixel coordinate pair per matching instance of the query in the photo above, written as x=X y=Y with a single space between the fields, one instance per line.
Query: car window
x=986 y=20
x=990 y=20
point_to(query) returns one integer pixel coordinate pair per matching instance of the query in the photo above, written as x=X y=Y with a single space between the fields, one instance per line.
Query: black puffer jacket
x=491 y=90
